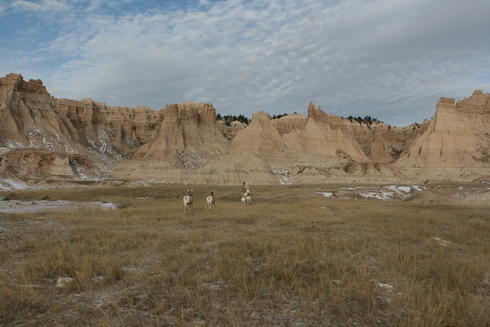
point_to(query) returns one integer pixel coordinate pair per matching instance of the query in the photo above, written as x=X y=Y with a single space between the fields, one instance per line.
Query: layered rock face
x=298 y=149
x=113 y=130
x=186 y=138
x=230 y=131
x=44 y=137
x=456 y=144
x=35 y=163
x=187 y=131
x=31 y=119
x=380 y=142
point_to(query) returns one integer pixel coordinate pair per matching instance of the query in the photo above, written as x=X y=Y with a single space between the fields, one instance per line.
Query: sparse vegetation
x=368 y=120
x=293 y=258
x=279 y=116
x=228 y=119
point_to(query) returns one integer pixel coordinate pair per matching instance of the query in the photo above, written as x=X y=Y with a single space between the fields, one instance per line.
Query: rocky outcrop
x=380 y=142
x=327 y=148
x=184 y=143
x=290 y=123
x=32 y=163
x=186 y=139
x=294 y=149
x=186 y=130
x=230 y=131
x=260 y=138
x=456 y=144
x=111 y=130
x=317 y=138
x=29 y=118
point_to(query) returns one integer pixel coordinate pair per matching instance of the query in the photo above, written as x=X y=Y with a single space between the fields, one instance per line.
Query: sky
x=390 y=59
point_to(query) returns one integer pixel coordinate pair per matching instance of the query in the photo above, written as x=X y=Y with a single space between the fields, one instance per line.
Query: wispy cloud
x=44 y=5
x=388 y=58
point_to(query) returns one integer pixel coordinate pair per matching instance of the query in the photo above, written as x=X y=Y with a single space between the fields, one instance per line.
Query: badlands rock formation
x=456 y=144
x=112 y=130
x=31 y=119
x=43 y=137
x=187 y=138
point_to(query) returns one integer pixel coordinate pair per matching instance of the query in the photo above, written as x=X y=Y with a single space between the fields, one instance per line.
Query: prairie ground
x=292 y=258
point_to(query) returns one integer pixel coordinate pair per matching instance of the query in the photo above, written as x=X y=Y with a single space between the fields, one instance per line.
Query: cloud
x=387 y=58
x=44 y=5
x=204 y=2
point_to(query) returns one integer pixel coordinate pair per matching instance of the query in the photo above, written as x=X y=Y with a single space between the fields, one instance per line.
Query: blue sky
x=391 y=59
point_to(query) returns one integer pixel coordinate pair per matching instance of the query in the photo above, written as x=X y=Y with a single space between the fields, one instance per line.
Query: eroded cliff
x=184 y=143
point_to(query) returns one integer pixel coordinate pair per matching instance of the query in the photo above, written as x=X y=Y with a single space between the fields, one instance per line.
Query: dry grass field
x=293 y=258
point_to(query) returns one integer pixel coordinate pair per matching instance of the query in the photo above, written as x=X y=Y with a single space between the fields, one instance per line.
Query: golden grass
x=290 y=259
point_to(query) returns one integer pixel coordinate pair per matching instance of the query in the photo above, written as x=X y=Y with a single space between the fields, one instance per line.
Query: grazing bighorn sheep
x=247 y=197
x=210 y=200
x=188 y=200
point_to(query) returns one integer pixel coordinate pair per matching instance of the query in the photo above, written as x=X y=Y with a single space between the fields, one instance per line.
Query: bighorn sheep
x=245 y=187
x=188 y=200
x=210 y=200
x=247 y=197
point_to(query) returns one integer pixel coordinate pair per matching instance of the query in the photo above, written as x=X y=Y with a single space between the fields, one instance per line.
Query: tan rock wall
x=184 y=143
